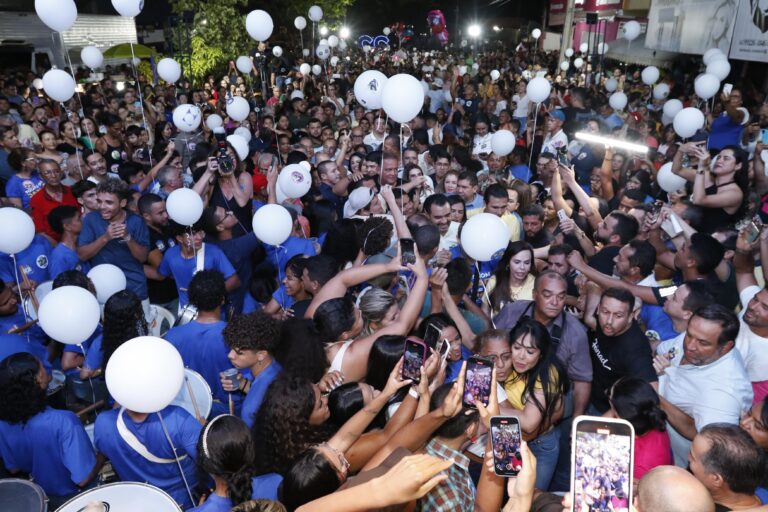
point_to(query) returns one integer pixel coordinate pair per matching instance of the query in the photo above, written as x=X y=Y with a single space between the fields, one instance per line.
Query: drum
x=123 y=497
x=201 y=394
x=89 y=429
x=17 y=495
x=57 y=397
x=186 y=315
x=40 y=292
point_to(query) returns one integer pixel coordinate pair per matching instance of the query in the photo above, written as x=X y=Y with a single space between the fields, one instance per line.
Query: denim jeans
x=546 y=449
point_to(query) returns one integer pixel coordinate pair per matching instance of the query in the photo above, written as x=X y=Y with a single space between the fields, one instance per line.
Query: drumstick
x=22 y=328
x=28 y=284
x=194 y=401
x=231 y=405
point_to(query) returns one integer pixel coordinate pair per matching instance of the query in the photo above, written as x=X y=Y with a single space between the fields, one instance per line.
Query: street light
x=344 y=32
x=323 y=30
x=474 y=31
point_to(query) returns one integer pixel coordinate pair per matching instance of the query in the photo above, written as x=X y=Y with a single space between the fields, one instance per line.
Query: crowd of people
x=601 y=475
x=613 y=296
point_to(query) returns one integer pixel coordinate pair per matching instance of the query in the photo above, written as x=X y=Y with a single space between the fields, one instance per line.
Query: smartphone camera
x=477 y=386
x=562 y=156
x=414 y=353
x=505 y=443
x=226 y=164
x=407 y=252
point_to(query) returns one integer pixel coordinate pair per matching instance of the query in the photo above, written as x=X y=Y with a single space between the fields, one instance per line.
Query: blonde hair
x=259 y=506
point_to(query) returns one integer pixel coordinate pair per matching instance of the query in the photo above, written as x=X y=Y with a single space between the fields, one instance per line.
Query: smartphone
x=432 y=336
x=407 y=254
x=477 y=387
x=505 y=444
x=561 y=215
x=414 y=354
x=601 y=447
x=764 y=134
x=562 y=157
x=727 y=88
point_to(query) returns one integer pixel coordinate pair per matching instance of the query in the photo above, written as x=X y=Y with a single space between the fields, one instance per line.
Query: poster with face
x=750 y=37
x=691 y=26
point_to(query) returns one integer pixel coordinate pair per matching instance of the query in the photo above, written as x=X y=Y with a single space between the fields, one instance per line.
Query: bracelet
x=412 y=392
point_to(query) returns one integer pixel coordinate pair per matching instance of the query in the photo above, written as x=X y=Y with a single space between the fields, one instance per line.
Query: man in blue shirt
x=68 y=223
x=467 y=190
x=117 y=236
x=189 y=256
x=201 y=342
x=32 y=261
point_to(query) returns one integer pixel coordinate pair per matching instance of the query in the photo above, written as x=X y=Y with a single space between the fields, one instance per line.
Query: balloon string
x=381 y=167
x=176 y=457
x=77 y=151
x=402 y=192
x=141 y=99
x=533 y=137
x=71 y=72
x=18 y=287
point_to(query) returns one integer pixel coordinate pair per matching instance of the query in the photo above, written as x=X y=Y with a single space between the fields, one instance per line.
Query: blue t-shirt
x=35 y=261
x=263 y=487
x=239 y=251
x=279 y=256
x=17 y=319
x=255 y=395
x=184 y=431
x=23 y=188
x=62 y=259
x=521 y=172
x=183 y=269
x=250 y=304
x=655 y=319
x=282 y=297
x=19 y=344
x=87 y=344
x=202 y=349
x=94 y=356
x=117 y=252
x=487 y=268
x=52 y=447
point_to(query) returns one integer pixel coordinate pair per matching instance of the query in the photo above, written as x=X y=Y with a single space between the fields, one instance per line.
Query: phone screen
x=601 y=464
x=477 y=387
x=764 y=133
x=432 y=335
x=505 y=442
x=407 y=254
x=413 y=360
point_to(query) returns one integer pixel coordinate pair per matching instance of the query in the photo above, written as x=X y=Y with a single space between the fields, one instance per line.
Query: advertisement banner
x=750 y=37
x=691 y=26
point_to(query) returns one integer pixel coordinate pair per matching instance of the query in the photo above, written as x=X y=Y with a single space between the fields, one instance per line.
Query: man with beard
x=152 y=210
x=613 y=232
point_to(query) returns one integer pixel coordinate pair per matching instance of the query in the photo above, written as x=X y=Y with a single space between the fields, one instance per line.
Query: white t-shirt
x=451 y=238
x=753 y=348
x=373 y=142
x=554 y=142
x=673 y=347
x=522 y=105
x=715 y=393
x=481 y=144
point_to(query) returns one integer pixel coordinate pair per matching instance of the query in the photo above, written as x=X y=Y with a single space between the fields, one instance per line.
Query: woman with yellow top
x=535 y=387
x=516 y=271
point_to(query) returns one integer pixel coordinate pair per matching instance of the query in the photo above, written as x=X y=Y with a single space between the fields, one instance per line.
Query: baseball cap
x=358 y=198
x=558 y=114
x=438 y=82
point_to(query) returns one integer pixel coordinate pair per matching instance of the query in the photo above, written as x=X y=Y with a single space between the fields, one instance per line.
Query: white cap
x=358 y=198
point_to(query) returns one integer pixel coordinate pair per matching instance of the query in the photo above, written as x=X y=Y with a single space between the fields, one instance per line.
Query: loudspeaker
x=591 y=18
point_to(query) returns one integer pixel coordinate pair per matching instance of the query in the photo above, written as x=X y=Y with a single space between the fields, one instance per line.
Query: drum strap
x=134 y=442
x=200 y=263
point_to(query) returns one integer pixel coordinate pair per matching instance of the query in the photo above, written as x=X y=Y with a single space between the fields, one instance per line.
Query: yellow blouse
x=514 y=387
x=524 y=292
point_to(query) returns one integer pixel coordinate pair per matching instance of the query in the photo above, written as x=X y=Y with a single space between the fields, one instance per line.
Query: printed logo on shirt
x=582 y=155
x=600 y=357
x=42 y=261
x=160 y=245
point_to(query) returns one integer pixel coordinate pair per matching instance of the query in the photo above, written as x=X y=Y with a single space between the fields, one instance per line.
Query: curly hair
x=207 y=290
x=254 y=331
x=114 y=186
x=123 y=321
x=225 y=450
x=282 y=429
x=22 y=397
x=376 y=234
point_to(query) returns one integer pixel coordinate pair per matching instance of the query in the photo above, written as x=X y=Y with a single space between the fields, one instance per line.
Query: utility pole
x=567 y=28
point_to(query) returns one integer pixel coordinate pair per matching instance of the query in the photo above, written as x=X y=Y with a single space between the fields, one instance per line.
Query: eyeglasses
x=228 y=213
x=343 y=462
x=505 y=358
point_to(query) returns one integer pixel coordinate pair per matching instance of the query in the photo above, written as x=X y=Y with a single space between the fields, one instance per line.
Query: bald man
x=672 y=489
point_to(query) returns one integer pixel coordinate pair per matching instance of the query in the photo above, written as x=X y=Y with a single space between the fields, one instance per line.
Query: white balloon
x=305 y=52
x=315 y=13
x=59 y=85
x=583 y=47
x=578 y=62
x=244 y=132
x=386 y=31
x=334 y=60
x=108 y=279
x=136 y=61
x=688 y=121
x=187 y=117
x=272 y=224
x=169 y=70
x=145 y=374
x=667 y=180
x=214 y=121
x=631 y=30
x=618 y=100
x=402 y=97
x=259 y=25
x=18 y=230
x=602 y=48
x=277 y=51
x=611 y=84
x=650 y=75
x=305 y=69
x=58 y=15
x=238 y=108
x=713 y=54
x=721 y=68
x=69 y=314
x=184 y=206
x=244 y=64
x=706 y=86
x=323 y=51
x=661 y=91
x=475 y=66
x=342 y=45
x=502 y=142
x=666 y=120
x=316 y=69
x=294 y=180
x=462 y=70
x=495 y=75
x=300 y=22
x=565 y=65
x=240 y=144
x=536 y=33
x=128 y=8
x=484 y=236
x=91 y=57
x=323 y=41
x=368 y=88
x=672 y=107
x=569 y=52
x=538 y=89
x=333 y=41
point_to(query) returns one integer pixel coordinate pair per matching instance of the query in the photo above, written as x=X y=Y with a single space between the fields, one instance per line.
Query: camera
x=226 y=165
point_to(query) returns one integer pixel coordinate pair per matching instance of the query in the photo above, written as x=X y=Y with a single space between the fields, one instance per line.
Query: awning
x=123 y=51
x=635 y=52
